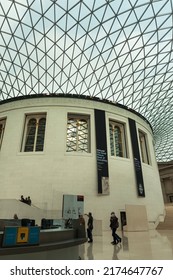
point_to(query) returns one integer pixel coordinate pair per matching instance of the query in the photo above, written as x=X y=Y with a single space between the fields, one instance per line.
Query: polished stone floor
x=149 y=245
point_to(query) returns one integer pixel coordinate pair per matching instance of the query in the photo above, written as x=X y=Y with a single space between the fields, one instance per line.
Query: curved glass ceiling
x=119 y=50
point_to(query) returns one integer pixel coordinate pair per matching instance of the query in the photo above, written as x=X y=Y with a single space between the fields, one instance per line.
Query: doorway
x=123 y=219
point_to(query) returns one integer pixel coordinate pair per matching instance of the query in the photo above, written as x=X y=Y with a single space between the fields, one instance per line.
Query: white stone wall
x=46 y=176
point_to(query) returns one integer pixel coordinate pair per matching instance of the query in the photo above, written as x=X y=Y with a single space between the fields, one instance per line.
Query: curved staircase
x=168 y=221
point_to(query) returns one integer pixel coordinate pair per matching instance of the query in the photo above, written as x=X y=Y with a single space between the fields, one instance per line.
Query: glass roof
x=119 y=50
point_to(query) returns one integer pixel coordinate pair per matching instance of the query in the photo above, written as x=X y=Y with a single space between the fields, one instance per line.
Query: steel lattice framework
x=119 y=50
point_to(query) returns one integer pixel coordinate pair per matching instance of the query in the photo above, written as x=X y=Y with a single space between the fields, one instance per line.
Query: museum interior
x=86 y=126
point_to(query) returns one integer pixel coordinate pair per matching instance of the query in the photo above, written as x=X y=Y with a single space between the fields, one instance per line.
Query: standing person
x=90 y=227
x=15 y=217
x=29 y=201
x=22 y=198
x=81 y=220
x=114 y=224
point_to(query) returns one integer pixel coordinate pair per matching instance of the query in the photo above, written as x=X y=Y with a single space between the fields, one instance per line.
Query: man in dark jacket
x=114 y=225
x=90 y=227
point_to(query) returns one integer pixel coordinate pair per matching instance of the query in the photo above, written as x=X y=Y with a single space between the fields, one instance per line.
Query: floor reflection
x=116 y=249
x=153 y=244
x=90 y=255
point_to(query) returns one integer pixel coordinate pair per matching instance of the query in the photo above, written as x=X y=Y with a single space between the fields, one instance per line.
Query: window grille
x=34 y=133
x=118 y=145
x=144 y=147
x=2 y=127
x=77 y=134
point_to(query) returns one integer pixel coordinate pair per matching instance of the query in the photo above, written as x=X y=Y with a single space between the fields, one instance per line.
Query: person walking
x=114 y=224
x=90 y=227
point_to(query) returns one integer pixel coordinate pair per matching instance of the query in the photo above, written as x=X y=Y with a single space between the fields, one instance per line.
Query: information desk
x=53 y=244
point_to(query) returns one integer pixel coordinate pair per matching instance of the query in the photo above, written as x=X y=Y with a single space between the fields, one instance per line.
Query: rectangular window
x=117 y=139
x=34 y=133
x=2 y=127
x=78 y=133
x=144 y=147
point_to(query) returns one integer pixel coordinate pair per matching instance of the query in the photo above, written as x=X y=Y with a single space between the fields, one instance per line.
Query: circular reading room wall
x=52 y=145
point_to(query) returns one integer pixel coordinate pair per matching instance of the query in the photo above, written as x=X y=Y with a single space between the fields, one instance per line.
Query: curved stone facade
x=45 y=175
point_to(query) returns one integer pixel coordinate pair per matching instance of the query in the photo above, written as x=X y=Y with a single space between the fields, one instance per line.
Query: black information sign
x=137 y=159
x=101 y=146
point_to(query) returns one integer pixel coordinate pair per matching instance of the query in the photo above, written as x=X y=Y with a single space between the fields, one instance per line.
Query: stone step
x=168 y=221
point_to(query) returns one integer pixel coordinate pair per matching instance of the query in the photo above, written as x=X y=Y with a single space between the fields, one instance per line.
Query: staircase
x=168 y=221
x=9 y=207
